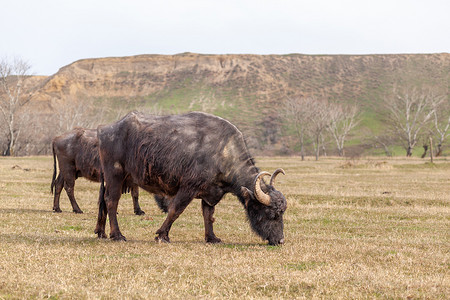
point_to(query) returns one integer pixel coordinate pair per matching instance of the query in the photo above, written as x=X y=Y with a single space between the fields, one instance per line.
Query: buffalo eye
x=272 y=214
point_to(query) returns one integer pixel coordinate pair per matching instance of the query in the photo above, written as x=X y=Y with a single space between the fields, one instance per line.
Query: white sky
x=50 y=34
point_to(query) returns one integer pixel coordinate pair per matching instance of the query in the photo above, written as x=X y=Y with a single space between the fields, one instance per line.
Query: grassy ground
x=371 y=228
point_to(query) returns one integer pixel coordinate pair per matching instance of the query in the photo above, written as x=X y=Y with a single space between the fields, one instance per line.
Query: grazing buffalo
x=181 y=157
x=77 y=153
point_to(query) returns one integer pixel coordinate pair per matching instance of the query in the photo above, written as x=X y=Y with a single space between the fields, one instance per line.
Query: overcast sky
x=50 y=34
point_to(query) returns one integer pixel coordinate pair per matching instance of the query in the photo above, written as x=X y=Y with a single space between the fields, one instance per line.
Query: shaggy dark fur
x=77 y=154
x=182 y=157
x=163 y=203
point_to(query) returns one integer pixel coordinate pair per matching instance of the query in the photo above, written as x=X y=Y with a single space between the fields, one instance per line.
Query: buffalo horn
x=260 y=195
x=274 y=175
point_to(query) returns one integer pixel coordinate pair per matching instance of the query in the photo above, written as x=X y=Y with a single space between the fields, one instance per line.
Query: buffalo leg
x=59 y=183
x=102 y=213
x=135 y=195
x=112 y=196
x=69 y=187
x=176 y=207
x=208 y=218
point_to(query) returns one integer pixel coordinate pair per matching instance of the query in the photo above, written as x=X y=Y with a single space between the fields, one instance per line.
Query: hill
x=247 y=89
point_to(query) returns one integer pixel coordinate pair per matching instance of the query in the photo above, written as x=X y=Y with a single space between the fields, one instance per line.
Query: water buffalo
x=194 y=155
x=77 y=154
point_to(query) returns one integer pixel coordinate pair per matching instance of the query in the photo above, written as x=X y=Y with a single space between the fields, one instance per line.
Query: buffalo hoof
x=139 y=212
x=162 y=239
x=79 y=211
x=57 y=210
x=101 y=235
x=117 y=237
x=213 y=240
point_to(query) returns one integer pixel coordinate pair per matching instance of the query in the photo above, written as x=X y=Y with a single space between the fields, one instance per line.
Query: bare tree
x=296 y=111
x=343 y=118
x=409 y=112
x=77 y=113
x=441 y=121
x=36 y=133
x=12 y=99
x=385 y=142
x=309 y=117
x=319 y=120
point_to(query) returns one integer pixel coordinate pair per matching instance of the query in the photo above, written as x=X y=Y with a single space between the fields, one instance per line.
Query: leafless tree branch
x=410 y=110
x=296 y=111
x=441 y=122
x=12 y=98
x=342 y=120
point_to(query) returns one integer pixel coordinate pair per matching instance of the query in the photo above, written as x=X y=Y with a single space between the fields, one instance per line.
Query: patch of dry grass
x=371 y=229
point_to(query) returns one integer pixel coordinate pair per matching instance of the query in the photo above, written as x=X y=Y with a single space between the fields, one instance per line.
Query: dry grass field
x=367 y=228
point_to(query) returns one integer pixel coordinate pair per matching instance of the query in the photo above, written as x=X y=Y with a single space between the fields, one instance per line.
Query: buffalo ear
x=247 y=194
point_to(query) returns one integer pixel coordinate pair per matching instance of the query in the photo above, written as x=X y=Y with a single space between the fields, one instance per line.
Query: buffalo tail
x=101 y=196
x=54 y=169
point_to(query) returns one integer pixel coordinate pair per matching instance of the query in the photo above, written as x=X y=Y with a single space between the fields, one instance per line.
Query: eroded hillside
x=248 y=89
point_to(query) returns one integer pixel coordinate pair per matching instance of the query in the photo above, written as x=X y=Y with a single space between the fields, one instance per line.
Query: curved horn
x=274 y=175
x=260 y=195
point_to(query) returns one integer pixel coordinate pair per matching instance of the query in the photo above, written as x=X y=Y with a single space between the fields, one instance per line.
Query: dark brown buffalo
x=181 y=157
x=77 y=154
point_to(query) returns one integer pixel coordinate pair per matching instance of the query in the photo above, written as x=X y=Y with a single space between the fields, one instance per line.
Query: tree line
x=412 y=115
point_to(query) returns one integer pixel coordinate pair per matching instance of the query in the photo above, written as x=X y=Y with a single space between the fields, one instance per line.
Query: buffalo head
x=265 y=208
